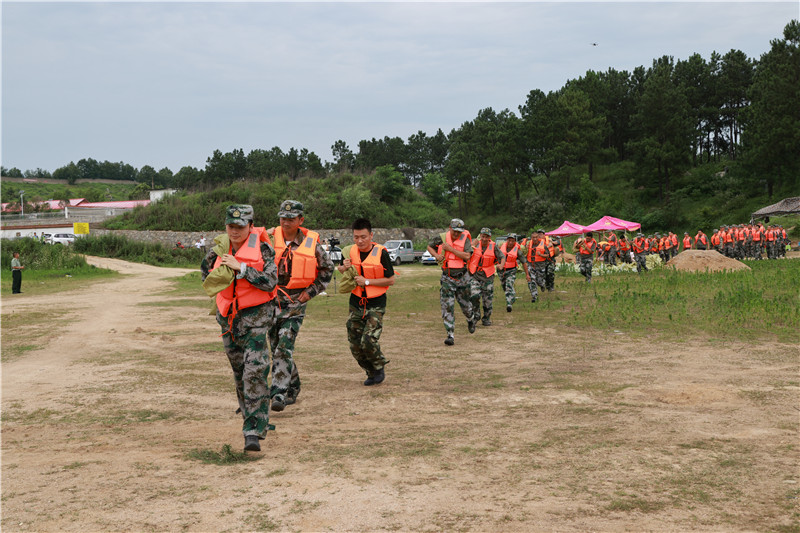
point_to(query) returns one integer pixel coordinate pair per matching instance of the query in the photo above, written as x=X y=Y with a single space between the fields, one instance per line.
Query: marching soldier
x=482 y=268
x=585 y=249
x=700 y=240
x=687 y=241
x=453 y=249
x=374 y=276
x=304 y=270
x=242 y=267
x=508 y=271
x=640 y=247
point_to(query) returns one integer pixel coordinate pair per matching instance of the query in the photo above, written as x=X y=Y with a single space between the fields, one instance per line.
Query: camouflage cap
x=486 y=231
x=239 y=214
x=290 y=209
x=540 y=230
x=457 y=224
x=511 y=236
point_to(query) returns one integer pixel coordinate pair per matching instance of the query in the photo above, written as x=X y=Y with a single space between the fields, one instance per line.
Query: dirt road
x=520 y=427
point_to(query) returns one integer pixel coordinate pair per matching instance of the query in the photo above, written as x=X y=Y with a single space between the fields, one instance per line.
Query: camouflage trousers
x=507 y=280
x=641 y=262
x=282 y=336
x=550 y=275
x=245 y=343
x=452 y=291
x=611 y=256
x=585 y=266
x=482 y=291
x=364 y=328
x=537 y=273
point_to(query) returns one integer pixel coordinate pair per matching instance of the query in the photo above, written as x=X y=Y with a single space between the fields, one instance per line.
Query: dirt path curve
x=109 y=308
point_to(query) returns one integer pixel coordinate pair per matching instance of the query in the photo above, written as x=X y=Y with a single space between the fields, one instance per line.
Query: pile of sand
x=566 y=257
x=702 y=260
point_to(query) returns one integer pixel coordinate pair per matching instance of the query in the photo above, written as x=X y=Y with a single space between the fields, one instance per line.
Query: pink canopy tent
x=567 y=228
x=608 y=223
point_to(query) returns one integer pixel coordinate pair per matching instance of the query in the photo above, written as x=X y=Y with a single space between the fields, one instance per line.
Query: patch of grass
x=259 y=520
x=188 y=285
x=226 y=456
x=303 y=506
x=628 y=502
x=12 y=352
x=278 y=472
x=20 y=328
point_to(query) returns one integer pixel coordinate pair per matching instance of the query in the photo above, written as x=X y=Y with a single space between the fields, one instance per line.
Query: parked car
x=401 y=251
x=62 y=238
x=427 y=258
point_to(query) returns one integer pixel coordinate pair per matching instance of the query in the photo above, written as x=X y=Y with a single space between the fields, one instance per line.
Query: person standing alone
x=373 y=277
x=16 y=274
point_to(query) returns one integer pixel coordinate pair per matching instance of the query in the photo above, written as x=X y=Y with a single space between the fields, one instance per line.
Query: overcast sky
x=165 y=84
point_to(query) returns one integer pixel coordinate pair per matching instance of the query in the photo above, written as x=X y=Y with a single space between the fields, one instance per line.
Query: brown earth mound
x=702 y=260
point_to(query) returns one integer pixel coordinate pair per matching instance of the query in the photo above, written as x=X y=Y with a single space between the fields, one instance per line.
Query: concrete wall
x=169 y=238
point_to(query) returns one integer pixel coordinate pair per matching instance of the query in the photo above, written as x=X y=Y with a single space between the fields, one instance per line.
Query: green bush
x=36 y=255
x=119 y=247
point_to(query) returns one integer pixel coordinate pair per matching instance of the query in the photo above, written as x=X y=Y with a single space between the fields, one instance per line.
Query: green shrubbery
x=330 y=203
x=151 y=253
x=36 y=255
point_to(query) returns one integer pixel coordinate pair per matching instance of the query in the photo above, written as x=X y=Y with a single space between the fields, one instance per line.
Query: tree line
x=644 y=129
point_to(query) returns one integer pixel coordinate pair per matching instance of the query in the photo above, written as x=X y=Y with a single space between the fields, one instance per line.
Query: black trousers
x=16 y=281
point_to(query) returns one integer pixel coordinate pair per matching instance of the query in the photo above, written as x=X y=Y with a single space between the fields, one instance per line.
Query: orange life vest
x=304 y=258
x=542 y=252
x=639 y=245
x=687 y=242
x=245 y=295
x=586 y=247
x=511 y=256
x=450 y=259
x=727 y=238
x=623 y=245
x=701 y=238
x=483 y=259
x=673 y=239
x=370 y=268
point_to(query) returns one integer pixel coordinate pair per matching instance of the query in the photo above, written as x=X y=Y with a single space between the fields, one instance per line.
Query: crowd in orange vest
x=742 y=241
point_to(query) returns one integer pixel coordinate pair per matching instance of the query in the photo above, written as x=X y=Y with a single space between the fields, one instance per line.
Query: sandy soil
x=523 y=426
x=705 y=260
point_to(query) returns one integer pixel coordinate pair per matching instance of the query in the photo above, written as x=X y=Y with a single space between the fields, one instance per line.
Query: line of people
x=469 y=269
x=262 y=280
x=750 y=241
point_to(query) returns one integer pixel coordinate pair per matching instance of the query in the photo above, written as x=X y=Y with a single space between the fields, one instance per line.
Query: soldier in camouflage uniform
x=374 y=275
x=508 y=269
x=482 y=267
x=452 y=250
x=295 y=248
x=554 y=245
x=538 y=257
x=245 y=311
x=585 y=249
